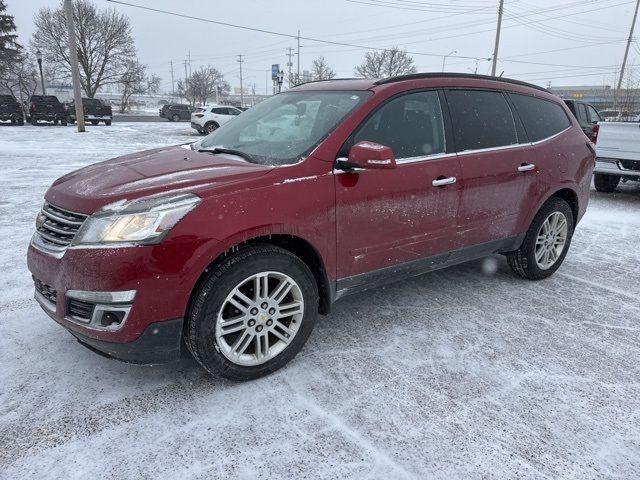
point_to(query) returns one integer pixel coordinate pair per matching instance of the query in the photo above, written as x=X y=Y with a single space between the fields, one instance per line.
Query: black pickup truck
x=10 y=109
x=94 y=111
x=48 y=108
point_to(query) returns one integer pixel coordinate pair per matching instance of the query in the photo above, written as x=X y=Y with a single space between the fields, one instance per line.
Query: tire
x=55 y=121
x=523 y=261
x=34 y=121
x=605 y=183
x=175 y=118
x=94 y=122
x=64 y=122
x=210 y=127
x=211 y=304
x=107 y=122
x=20 y=121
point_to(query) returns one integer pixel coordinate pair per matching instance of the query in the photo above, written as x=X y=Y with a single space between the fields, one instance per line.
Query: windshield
x=285 y=128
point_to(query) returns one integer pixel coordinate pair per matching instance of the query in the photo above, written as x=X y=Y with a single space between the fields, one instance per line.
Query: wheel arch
x=571 y=197
x=294 y=244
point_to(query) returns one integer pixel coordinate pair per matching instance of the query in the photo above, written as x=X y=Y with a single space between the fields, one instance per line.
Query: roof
x=367 y=84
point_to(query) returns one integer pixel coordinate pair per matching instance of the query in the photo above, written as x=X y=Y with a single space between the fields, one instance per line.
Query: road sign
x=275 y=68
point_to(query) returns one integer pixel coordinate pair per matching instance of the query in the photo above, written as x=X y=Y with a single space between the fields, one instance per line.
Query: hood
x=147 y=173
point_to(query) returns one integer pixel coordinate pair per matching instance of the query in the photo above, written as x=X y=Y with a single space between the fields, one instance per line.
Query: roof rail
x=327 y=80
x=416 y=76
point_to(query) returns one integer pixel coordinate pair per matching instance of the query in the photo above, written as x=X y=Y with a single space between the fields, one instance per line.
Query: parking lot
x=469 y=372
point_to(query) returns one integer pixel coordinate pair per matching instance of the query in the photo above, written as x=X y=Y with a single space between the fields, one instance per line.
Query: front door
x=386 y=218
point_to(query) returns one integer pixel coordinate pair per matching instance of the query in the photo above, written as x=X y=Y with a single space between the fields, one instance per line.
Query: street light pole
x=75 y=71
x=444 y=59
x=39 y=59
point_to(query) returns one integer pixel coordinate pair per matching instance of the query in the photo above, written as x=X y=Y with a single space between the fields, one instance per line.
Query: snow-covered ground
x=456 y=374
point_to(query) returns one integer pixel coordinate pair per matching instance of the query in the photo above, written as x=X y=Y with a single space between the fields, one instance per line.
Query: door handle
x=525 y=167
x=440 y=182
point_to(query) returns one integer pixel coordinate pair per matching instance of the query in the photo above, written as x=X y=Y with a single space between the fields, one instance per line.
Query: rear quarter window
x=481 y=119
x=541 y=118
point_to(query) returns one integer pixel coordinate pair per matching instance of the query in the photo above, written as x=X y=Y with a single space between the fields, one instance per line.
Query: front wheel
x=252 y=313
x=64 y=122
x=546 y=242
x=34 y=121
x=175 y=118
x=605 y=183
x=107 y=122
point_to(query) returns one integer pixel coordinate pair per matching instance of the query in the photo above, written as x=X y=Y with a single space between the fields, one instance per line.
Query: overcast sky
x=565 y=42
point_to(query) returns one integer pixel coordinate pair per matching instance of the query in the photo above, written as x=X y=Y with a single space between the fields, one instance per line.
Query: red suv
x=235 y=243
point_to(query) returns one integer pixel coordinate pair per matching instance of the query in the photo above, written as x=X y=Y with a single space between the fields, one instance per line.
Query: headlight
x=144 y=221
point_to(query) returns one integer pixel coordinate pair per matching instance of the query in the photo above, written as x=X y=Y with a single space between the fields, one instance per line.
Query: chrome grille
x=57 y=226
x=80 y=310
x=45 y=290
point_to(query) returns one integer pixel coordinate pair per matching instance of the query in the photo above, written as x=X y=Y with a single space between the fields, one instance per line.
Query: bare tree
x=385 y=63
x=105 y=43
x=202 y=85
x=320 y=70
x=136 y=81
x=21 y=79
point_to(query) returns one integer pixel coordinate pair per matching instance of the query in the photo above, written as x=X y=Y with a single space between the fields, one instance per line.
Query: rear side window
x=594 y=117
x=481 y=119
x=542 y=118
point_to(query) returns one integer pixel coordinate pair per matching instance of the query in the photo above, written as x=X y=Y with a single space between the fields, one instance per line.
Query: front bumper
x=162 y=277
x=159 y=343
x=620 y=168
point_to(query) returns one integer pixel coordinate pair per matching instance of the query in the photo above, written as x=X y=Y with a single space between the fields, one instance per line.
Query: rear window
x=7 y=98
x=541 y=118
x=481 y=119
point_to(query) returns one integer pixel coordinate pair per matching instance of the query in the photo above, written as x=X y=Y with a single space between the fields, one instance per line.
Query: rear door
x=491 y=157
x=390 y=217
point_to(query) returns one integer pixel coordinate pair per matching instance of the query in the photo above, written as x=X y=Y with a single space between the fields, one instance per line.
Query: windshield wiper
x=230 y=151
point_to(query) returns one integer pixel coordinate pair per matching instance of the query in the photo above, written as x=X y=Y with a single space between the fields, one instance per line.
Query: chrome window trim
x=537 y=142
x=423 y=158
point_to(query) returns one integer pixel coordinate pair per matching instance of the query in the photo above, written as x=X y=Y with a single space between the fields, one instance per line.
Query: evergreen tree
x=10 y=49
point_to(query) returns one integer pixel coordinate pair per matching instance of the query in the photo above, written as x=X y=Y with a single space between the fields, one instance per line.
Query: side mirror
x=369 y=155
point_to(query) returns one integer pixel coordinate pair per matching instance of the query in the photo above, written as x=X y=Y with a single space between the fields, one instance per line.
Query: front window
x=285 y=128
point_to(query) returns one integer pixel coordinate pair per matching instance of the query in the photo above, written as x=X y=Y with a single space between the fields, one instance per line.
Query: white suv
x=206 y=119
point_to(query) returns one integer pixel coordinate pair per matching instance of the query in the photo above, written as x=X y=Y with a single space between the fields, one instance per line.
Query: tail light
x=594 y=133
x=32 y=107
x=20 y=106
x=199 y=115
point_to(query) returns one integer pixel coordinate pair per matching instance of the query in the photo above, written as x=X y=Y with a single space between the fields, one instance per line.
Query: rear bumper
x=621 y=168
x=196 y=126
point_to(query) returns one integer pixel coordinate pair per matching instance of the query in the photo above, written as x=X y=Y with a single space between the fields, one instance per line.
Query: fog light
x=112 y=318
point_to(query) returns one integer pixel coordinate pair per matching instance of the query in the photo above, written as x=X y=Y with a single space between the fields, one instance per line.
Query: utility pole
x=189 y=56
x=75 y=71
x=241 y=91
x=289 y=65
x=298 y=73
x=626 y=54
x=495 y=48
x=173 y=89
x=186 y=80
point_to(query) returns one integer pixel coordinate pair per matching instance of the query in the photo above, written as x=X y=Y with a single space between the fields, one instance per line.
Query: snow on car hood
x=147 y=173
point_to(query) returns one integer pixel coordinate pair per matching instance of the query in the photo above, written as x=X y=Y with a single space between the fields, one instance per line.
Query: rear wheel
x=20 y=121
x=605 y=183
x=64 y=122
x=546 y=242
x=210 y=127
x=94 y=122
x=252 y=313
x=175 y=117
x=34 y=121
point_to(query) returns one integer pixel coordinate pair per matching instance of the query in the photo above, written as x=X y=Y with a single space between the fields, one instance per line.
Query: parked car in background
x=95 y=111
x=10 y=109
x=235 y=243
x=209 y=118
x=617 y=116
x=586 y=114
x=617 y=154
x=47 y=108
x=175 y=112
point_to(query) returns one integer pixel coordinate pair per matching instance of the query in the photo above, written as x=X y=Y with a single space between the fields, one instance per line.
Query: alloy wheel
x=259 y=318
x=551 y=240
